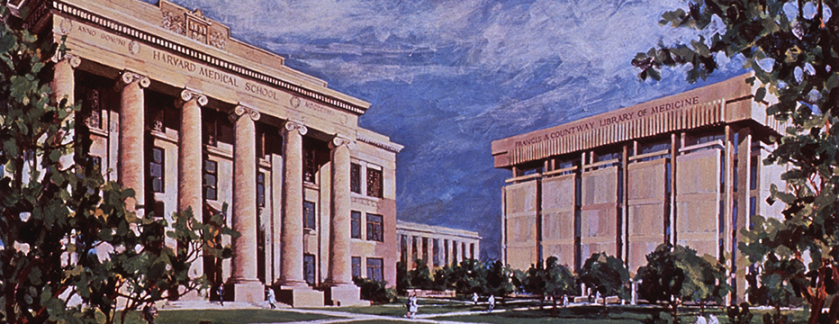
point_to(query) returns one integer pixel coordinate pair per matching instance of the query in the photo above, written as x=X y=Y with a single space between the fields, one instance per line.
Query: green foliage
x=795 y=58
x=469 y=277
x=58 y=215
x=739 y=315
x=421 y=276
x=403 y=282
x=606 y=274
x=375 y=291
x=675 y=274
x=498 y=279
x=560 y=280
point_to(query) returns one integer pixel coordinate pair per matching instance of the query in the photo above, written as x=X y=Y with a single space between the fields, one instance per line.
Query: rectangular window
x=156 y=169
x=210 y=180
x=356 y=267
x=425 y=250
x=309 y=215
x=309 y=165
x=374 y=183
x=260 y=189
x=753 y=173
x=309 y=268
x=403 y=248
x=374 y=269
x=374 y=228
x=435 y=249
x=355 y=178
x=355 y=224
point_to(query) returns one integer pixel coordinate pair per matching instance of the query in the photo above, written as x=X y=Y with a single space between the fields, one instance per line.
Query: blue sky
x=446 y=77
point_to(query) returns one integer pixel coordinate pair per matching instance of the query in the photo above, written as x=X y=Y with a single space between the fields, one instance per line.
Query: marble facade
x=192 y=118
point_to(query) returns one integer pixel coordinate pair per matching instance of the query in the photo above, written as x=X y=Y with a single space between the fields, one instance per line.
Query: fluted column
x=190 y=153
x=63 y=86
x=340 y=261
x=132 y=123
x=291 y=273
x=244 y=194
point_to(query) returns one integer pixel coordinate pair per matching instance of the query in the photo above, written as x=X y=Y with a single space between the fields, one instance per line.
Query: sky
x=447 y=77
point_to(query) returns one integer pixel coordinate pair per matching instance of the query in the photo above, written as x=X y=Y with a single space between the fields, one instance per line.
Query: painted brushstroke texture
x=446 y=77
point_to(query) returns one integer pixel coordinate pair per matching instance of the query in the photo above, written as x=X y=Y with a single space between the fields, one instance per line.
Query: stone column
x=340 y=262
x=190 y=153
x=243 y=276
x=190 y=161
x=63 y=87
x=343 y=292
x=291 y=272
x=294 y=290
x=132 y=122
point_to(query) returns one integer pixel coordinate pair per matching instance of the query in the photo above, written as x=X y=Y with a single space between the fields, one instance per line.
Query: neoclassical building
x=685 y=169
x=190 y=117
x=438 y=246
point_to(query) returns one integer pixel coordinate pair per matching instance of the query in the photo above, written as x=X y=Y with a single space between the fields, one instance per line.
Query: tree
x=421 y=276
x=674 y=274
x=403 y=281
x=560 y=281
x=535 y=281
x=793 y=49
x=498 y=279
x=469 y=277
x=56 y=214
x=606 y=274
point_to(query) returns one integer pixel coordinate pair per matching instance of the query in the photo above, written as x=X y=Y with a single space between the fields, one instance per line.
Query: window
x=374 y=183
x=309 y=165
x=156 y=169
x=260 y=189
x=425 y=249
x=355 y=222
x=753 y=173
x=356 y=267
x=210 y=180
x=374 y=269
x=309 y=268
x=403 y=248
x=374 y=228
x=355 y=178
x=308 y=215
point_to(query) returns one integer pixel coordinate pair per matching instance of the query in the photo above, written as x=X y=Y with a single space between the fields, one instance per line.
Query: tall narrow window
x=356 y=267
x=156 y=169
x=210 y=180
x=374 y=183
x=309 y=165
x=355 y=178
x=374 y=228
x=260 y=189
x=308 y=215
x=355 y=224
x=309 y=268
x=753 y=173
x=374 y=269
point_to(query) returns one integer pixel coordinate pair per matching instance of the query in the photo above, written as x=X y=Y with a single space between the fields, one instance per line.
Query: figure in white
x=272 y=300
x=713 y=320
x=475 y=298
x=491 y=302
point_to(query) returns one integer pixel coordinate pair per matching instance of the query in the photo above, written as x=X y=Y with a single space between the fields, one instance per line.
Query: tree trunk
x=553 y=311
x=816 y=307
x=674 y=311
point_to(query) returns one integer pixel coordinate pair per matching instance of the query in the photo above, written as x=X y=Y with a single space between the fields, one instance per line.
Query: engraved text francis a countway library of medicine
x=610 y=120
x=200 y=70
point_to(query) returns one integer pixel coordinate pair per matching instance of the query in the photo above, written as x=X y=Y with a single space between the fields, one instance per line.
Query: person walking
x=491 y=303
x=271 y=299
x=413 y=306
x=475 y=298
x=149 y=313
x=220 y=292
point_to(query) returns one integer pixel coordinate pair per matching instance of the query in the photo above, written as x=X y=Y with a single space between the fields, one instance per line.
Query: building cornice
x=157 y=41
x=395 y=148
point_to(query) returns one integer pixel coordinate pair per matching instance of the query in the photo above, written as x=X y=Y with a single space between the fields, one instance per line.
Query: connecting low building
x=190 y=117
x=685 y=169
x=437 y=246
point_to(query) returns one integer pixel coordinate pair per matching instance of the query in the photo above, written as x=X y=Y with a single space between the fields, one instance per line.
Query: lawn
x=593 y=314
x=232 y=316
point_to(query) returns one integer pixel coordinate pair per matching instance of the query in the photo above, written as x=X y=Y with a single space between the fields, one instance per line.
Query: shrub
x=375 y=291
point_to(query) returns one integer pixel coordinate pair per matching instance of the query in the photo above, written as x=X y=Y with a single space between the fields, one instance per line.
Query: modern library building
x=685 y=169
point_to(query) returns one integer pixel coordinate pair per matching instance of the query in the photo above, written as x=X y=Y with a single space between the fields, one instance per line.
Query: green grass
x=593 y=315
x=232 y=316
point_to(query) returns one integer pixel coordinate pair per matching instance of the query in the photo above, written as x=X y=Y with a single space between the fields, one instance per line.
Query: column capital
x=292 y=125
x=72 y=59
x=129 y=77
x=244 y=110
x=189 y=94
x=341 y=140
